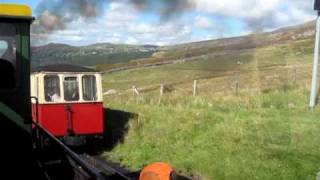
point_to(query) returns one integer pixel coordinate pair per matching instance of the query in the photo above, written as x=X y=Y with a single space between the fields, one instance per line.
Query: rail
x=82 y=169
x=84 y=166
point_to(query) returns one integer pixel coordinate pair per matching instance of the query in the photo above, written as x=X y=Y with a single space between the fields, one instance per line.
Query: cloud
x=259 y=14
x=132 y=21
x=202 y=22
x=165 y=9
x=120 y=12
x=131 y=40
x=56 y=14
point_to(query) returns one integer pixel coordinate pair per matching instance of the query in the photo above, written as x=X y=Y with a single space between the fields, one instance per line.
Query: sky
x=162 y=22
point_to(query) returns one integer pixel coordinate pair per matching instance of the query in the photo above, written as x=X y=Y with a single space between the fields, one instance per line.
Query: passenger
x=10 y=54
x=55 y=97
x=75 y=96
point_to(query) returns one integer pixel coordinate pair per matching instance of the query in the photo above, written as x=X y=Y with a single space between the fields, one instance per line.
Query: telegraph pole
x=313 y=94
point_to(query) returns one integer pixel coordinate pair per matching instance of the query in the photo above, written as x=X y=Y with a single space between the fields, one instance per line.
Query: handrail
x=37 y=107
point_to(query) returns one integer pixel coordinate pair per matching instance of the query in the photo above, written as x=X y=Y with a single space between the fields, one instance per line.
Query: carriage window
x=8 y=43
x=89 y=88
x=52 y=88
x=71 y=89
x=7 y=56
x=3 y=47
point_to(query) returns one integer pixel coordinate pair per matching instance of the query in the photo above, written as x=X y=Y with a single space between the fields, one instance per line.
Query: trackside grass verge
x=265 y=135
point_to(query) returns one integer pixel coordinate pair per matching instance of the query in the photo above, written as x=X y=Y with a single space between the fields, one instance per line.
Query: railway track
x=58 y=161
x=109 y=170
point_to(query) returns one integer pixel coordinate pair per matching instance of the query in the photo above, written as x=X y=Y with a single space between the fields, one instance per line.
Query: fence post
x=161 y=93
x=161 y=89
x=135 y=90
x=237 y=82
x=237 y=88
x=295 y=75
x=194 y=87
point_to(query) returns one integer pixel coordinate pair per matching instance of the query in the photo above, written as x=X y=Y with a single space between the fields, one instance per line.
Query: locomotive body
x=15 y=107
x=69 y=102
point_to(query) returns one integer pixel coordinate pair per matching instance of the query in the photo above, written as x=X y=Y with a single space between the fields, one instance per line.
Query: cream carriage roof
x=62 y=68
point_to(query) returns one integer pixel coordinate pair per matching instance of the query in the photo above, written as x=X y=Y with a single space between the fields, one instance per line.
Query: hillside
x=288 y=47
x=106 y=56
x=221 y=47
x=248 y=119
x=89 y=55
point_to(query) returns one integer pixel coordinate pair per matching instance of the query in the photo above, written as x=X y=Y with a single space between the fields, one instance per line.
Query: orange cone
x=156 y=171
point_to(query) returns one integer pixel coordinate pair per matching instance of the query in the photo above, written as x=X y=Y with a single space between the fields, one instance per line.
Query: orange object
x=156 y=171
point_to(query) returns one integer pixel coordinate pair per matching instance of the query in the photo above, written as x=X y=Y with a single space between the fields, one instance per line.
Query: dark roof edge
x=62 y=68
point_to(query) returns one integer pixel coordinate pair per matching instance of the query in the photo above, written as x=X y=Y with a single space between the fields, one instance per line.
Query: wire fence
x=236 y=82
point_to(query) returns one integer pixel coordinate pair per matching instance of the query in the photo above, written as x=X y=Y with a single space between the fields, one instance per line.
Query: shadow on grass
x=116 y=126
x=317 y=98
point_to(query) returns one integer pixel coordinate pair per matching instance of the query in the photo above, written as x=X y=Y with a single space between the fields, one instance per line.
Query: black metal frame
x=316 y=5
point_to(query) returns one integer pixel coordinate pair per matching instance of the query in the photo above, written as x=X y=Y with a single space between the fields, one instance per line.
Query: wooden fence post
x=161 y=89
x=236 y=85
x=194 y=87
x=135 y=91
x=237 y=88
x=295 y=75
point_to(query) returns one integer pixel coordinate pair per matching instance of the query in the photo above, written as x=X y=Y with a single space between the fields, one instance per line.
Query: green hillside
x=88 y=55
x=248 y=120
x=220 y=48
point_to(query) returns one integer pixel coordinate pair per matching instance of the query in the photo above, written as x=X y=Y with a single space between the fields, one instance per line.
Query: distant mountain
x=89 y=55
x=107 y=56
x=253 y=40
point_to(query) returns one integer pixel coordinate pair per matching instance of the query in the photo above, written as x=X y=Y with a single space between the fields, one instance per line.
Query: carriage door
x=71 y=96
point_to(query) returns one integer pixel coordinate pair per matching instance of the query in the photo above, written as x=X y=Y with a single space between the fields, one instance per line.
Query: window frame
x=95 y=87
x=78 y=88
x=17 y=66
x=44 y=88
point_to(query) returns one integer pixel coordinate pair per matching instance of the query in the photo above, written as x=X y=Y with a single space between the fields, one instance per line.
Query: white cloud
x=142 y=28
x=131 y=40
x=120 y=12
x=263 y=13
x=202 y=22
x=245 y=9
x=122 y=23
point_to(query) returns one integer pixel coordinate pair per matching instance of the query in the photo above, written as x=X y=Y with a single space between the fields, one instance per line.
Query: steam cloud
x=167 y=9
x=56 y=14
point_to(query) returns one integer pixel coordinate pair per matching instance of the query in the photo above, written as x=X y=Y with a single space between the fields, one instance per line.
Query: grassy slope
x=264 y=133
x=271 y=136
x=297 y=53
x=221 y=47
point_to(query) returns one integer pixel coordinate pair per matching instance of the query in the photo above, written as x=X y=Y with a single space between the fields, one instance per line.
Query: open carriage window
x=3 y=47
x=89 y=88
x=8 y=43
x=7 y=56
x=71 y=89
x=52 y=88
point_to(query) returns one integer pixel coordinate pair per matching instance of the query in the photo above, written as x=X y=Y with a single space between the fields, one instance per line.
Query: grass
x=266 y=132
x=295 y=54
x=270 y=136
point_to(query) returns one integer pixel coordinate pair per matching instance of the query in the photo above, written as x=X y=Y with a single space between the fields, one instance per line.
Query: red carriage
x=69 y=102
